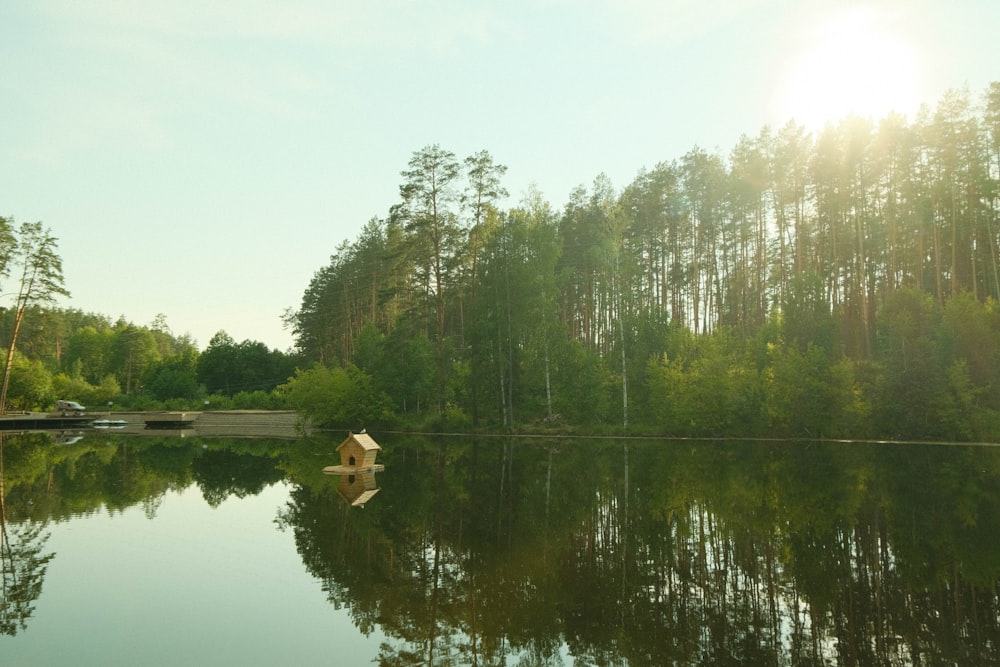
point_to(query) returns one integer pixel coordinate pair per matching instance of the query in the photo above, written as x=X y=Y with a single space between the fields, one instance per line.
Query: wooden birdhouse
x=358 y=451
x=357 y=456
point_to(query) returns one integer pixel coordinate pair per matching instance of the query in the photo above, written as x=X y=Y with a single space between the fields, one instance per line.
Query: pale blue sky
x=204 y=159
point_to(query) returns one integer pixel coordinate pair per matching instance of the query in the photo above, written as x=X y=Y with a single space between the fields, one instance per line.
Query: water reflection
x=359 y=489
x=542 y=552
x=649 y=553
x=23 y=561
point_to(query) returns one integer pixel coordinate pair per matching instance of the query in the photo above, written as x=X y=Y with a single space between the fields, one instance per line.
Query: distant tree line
x=842 y=283
x=66 y=353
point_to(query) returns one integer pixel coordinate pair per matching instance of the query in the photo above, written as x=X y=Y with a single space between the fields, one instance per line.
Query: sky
x=203 y=160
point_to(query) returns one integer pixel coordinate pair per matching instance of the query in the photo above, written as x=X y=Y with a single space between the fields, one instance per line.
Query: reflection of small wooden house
x=357 y=490
x=357 y=455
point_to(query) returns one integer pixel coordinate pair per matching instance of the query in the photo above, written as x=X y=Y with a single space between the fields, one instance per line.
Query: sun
x=852 y=63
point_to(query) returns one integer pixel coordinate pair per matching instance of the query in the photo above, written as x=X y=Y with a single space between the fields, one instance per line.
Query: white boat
x=109 y=423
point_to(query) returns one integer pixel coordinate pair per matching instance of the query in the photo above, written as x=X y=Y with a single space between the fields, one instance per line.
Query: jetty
x=37 y=421
x=170 y=420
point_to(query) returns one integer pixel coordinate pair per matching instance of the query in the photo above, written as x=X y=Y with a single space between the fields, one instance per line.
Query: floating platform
x=32 y=421
x=109 y=423
x=170 y=420
x=353 y=470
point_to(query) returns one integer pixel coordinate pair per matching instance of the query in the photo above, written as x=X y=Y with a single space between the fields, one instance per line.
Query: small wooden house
x=358 y=451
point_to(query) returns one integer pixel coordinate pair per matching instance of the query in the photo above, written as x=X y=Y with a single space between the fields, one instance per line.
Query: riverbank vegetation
x=838 y=284
x=66 y=353
x=842 y=283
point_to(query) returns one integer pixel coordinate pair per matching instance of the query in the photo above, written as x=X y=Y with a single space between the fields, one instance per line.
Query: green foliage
x=73 y=389
x=842 y=284
x=583 y=386
x=800 y=397
x=337 y=396
x=228 y=367
x=96 y=362
x=369 y=349
x=806 y=316
x=259 y=400
x=852 y=394
x=455 y=419
x=133 y=353
x=174 y=377
x=406 y=372
x=89 y=352
x=94 y=397
x=958 y=408
x=913 y=379
x=710 y=392
x=668 y=387
x=106 y=391
x=971 y=334
x=30 y=385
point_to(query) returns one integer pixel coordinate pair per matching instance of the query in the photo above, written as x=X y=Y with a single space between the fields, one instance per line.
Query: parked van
x=66 y=407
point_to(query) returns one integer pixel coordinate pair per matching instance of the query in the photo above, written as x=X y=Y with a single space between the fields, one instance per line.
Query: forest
x=842 y=283
x=54 y=353
x=105 y=364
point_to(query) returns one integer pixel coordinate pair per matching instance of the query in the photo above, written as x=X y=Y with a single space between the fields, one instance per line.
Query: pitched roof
x=366 y=441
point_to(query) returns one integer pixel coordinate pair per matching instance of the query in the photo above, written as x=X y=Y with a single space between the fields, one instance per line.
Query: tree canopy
x=769 y=283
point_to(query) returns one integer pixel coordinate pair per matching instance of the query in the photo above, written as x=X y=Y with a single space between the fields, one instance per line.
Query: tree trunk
x=18 y=319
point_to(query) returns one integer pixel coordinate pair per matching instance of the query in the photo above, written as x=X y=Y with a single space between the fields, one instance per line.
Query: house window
x=352 y=462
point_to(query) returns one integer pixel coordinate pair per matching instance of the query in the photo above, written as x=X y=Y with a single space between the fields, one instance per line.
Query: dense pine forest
x=838 y=283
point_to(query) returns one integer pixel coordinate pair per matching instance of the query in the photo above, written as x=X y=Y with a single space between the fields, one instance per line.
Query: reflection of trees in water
x=23 y=571
x=702 y=553
x=221 y=474
x=520 y=551
x=22 y=563
x=40 y=481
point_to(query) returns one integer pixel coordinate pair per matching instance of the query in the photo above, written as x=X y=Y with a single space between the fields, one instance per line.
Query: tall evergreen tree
x=39 y=279
x=429 y=193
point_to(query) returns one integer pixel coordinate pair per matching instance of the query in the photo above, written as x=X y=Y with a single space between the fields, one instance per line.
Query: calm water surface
x=153 y=550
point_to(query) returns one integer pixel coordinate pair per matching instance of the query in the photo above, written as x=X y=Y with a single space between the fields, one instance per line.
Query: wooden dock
x=170 y=420
x=32 y=421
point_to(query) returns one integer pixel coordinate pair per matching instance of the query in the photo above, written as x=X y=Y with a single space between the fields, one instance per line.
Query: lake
x=152 y=549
